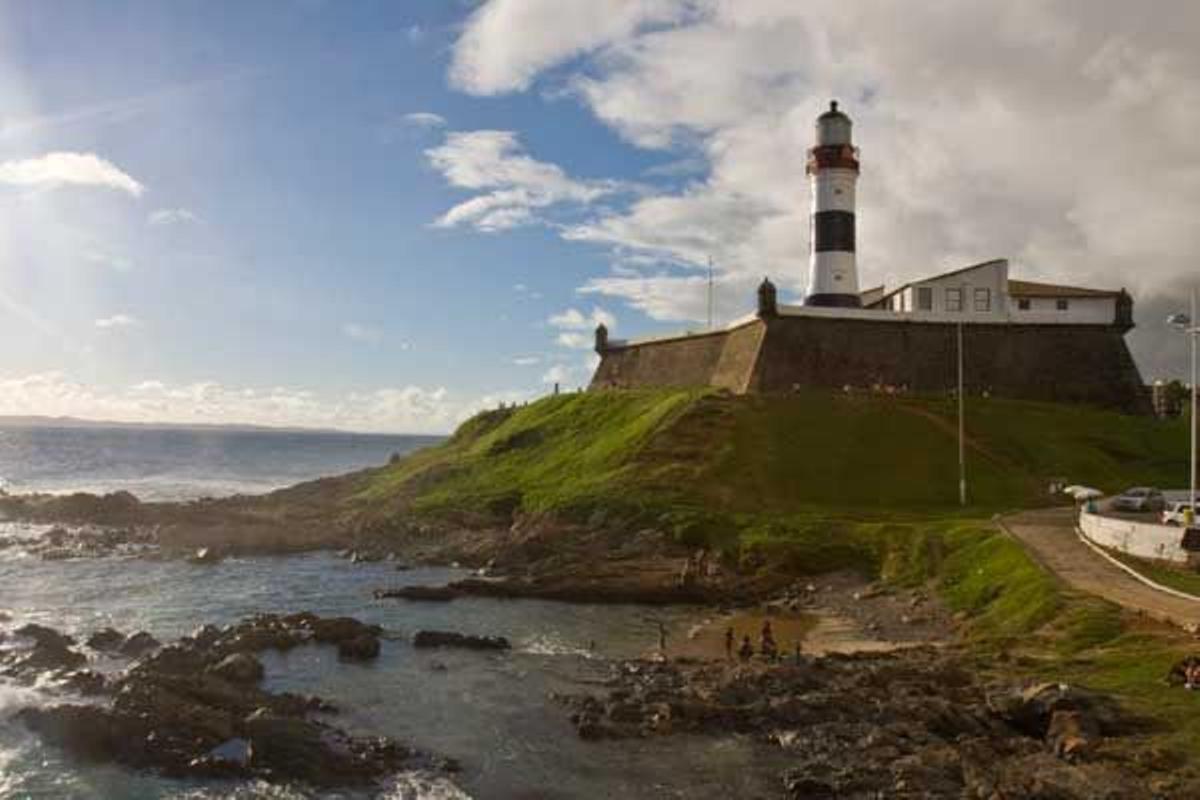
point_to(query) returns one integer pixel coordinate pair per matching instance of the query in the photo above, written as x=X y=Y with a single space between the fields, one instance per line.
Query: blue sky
x=382 y=215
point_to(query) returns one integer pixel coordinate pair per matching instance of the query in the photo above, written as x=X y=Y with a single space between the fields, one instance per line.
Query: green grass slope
x=814 y=482
x=810 y=453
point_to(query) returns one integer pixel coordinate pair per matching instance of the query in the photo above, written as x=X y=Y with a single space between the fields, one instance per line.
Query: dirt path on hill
x=951 y=429
x=1050 y=536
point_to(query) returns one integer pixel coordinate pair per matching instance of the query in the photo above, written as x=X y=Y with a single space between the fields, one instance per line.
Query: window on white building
x=954 y=299
x=983 y=299
x=1061 y=304
x=1023 y=303
x=924 y=298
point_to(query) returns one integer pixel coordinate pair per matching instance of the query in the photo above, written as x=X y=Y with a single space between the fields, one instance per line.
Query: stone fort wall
x=1061 y=363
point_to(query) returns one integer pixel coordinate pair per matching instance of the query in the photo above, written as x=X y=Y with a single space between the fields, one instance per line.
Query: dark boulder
x=238 y=668
x=43 y=636
x=138 y=645
x=452 y=639
x=360 y=648
x=309 y=751
x=425 y=593
x=205 y=635
x=89 y=733
x=333 y=630
x=85 y=682
x=106 y=640
x=51 y=651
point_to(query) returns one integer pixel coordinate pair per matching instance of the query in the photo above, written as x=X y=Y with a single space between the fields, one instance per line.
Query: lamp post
x=962 y=445
x=1189 y=325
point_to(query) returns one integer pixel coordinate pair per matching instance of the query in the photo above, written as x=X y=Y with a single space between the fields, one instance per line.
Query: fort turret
x=833 y=173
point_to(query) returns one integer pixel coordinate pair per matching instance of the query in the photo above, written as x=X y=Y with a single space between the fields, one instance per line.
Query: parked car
x=1140 y=498
x=1173 y=513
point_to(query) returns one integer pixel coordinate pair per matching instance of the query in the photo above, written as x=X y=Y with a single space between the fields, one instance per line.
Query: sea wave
x=423 y=786
x=550 y=645
x=252 y=790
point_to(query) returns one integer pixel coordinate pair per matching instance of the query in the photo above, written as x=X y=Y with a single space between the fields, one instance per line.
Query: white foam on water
x=544 y=645
x=13 y=698
x=253 y=790
x=423 y=786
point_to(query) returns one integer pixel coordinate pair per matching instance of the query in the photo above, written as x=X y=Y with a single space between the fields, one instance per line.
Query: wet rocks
x=1032 y=709
x=238 y=668
x=62 y=543
x=316 y=753
x=138 y=644
x=909 y=723
x=106 y=640
x=115 y=643
x=206 y=555
x=334 y=630
x=426 y=593
x=51 y=651
x=360 y=648
x=85 y=682
x=452 y=639
x=194 y=708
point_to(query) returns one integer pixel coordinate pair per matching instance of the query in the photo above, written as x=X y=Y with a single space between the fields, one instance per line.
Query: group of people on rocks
x=768 y=648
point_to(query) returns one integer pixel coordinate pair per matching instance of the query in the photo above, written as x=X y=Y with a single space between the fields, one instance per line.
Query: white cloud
x=575 y=320
x=526 y=361
x=406 y=409
x=362 y=333
x=559 y=373
x=571 y=372
x=425 y=119
x=574 y=340
x=118 y=321
x=110 y=260
x=63 y=168
x=507 y=42
x=171 y=216
x=1063 y=140
x=512 y=183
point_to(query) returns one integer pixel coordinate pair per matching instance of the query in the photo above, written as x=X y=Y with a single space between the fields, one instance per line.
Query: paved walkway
x=1050 y=536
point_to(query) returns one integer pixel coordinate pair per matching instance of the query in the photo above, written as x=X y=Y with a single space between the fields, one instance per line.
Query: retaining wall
x=1058 y=363
x=722 y=359
x=1141 y=539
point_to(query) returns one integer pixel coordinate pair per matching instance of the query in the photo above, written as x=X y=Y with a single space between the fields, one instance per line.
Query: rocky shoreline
x=911 y=723
x=195 y=707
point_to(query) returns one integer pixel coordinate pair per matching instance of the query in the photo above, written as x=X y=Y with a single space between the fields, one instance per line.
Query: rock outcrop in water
x=194 y=708
x=912 y=723
x=452 y=639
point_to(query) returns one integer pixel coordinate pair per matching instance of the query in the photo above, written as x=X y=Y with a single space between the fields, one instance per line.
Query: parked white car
x=1140 y=498
x=1173 y=513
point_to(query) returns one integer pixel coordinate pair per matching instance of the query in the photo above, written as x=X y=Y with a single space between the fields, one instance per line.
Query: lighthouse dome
x=833 y=127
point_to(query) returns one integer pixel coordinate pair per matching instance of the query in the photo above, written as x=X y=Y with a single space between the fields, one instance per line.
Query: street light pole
x=962 y=452
x=1191 y=326
x=1194 y=332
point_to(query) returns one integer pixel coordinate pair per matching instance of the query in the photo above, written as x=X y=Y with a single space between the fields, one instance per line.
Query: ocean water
x=182 y=464
x=491 y=712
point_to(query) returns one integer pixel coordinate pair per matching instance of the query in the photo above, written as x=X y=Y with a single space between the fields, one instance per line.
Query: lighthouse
x=833 y=173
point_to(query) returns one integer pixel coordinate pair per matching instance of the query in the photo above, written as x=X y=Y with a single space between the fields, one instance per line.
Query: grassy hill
x=815 y=482
x=809 y=453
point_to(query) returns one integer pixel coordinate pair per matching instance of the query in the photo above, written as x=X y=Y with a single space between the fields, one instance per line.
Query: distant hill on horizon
x=38 y=421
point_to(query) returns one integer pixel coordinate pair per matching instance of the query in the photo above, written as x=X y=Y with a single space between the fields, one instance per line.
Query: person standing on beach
x=746 y=651
x=767 y=646
x=729 y=637
x=662 y=638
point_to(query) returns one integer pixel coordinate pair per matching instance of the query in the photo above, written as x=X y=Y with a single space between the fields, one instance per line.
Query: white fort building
x=1037 y=341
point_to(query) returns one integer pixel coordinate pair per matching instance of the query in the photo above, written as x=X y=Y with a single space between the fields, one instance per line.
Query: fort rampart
x=1083 y=363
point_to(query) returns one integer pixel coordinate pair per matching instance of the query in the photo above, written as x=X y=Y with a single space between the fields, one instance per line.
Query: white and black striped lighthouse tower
x=833 y=171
